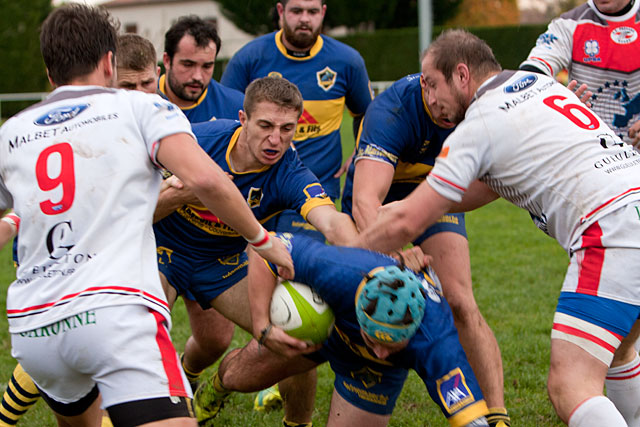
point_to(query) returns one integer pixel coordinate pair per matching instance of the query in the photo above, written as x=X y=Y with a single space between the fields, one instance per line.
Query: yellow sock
x=20 y=395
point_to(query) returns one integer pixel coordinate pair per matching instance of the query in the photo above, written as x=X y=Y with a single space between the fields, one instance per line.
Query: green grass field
x=517 y=273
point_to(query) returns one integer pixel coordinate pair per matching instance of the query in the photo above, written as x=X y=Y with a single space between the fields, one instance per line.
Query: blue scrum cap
x=390 y=304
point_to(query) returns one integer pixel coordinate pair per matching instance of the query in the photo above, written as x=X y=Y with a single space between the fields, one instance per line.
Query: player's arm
x=184 y=158
x=262 y=282
x=398 y=223
x=9 y=226
x=477 y=195
x=173 y=195
x=337 y=227
x=371 y=182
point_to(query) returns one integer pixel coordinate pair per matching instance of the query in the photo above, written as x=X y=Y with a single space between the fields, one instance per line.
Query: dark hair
x=455 y=46
x=277 y=90
x=202 y=31
x=284 y=2
x=74 y=38
x=135 y=52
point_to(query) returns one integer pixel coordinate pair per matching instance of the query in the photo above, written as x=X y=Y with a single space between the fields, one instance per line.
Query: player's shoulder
x=335 y=46
x=258 y=44
x=583 y=11
x=219 y=127
x=227 y=92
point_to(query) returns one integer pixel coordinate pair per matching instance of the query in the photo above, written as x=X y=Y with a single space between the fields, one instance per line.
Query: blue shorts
x=290 y=221
x=374 y=387
x=365 y=384
x=198 y=279
x=450 y=222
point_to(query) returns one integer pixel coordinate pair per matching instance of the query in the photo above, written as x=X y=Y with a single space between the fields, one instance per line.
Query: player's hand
x=413 y=258
x=345 y=166
x=281 y=343
x=177 y=193
x=581 y=92
x=280 y=256
x=634 y=134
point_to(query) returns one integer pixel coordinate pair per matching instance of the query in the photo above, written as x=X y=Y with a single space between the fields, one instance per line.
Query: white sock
x=596 y=411
x=623 y=388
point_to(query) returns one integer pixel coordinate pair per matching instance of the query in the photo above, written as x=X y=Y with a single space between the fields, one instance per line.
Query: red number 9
x=66 y=178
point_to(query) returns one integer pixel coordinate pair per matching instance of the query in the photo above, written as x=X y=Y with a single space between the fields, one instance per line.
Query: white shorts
x=600 y=299
x=606 y=259
x=126 y=350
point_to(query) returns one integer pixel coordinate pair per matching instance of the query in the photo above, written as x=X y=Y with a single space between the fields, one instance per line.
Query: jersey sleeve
x=237 y=74
x=157 y=118
x=6 y=200
x=384 y=131
x=299 y=186
x=462 y=160
x=359 y=94
x=553 y=50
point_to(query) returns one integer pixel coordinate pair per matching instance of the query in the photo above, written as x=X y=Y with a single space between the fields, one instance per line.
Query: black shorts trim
x=137 y=412
x=74 y=408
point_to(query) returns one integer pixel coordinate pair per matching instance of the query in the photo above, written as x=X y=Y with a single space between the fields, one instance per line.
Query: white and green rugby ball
x=300 y=312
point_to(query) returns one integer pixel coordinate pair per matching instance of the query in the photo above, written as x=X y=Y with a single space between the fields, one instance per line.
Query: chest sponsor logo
x=60 y=114
x=624 y=35
x=307 y=125
x=521 y=84
x=326 y=78
x=454 y=392
x=591 y=49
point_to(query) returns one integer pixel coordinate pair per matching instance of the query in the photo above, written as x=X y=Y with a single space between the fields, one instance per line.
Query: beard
x=180 y=89
x=458 y=114
x=302 y=41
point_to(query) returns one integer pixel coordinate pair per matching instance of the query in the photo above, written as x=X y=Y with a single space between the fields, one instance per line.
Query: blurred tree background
x=22 y=67
x=257 y=16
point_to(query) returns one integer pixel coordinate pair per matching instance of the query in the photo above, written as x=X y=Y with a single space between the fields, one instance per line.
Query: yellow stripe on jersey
x=312 y=52
x=468 y=414
x=320 y=118
x=314 y=203
x=411 y=172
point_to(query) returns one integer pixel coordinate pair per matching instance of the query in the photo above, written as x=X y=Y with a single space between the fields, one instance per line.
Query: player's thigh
x=344 y=414
x=169 y=291
x=207 y=324
x=173 y=422
x=234 y=304
x=450 y=260
x=628 y=347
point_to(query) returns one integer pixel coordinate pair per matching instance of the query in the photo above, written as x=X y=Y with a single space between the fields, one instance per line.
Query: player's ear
x=242 y=116
x=280 y=8
x=462 y=74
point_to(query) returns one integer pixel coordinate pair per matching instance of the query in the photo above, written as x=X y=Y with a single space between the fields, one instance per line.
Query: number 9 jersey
x=80 y=170
x=533 y=142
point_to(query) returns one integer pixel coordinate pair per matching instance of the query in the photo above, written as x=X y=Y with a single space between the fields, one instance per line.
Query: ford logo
x=521 y=84
x=59 y=115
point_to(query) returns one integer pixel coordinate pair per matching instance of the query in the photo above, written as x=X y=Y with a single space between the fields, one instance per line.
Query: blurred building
x=152 y=18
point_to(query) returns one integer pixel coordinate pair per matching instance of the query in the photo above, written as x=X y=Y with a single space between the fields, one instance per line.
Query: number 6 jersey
x=534 y=143
x=78 y=168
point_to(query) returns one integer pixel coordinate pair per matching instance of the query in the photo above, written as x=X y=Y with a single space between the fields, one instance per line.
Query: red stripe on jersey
x=169 y=358
x=582 y=334
x=544 y=62
x=97 y=289
x=448 y=182
x=591 y=265
x=608 y=202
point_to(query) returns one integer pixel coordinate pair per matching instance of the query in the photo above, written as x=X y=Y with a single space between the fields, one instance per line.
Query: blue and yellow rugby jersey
x=286 y=185
x=216 y=102
x=434 y=352
x=332 y=76
x=398 y=129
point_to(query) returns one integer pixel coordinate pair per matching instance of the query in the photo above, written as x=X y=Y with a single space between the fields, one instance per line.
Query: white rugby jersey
x=602 y=51
x=79 y=170
x=533 y=142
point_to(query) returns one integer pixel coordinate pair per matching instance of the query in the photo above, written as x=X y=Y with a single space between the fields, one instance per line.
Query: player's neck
x=296 y=51
x=240 y=156
x=181 y=103
x=622 y=11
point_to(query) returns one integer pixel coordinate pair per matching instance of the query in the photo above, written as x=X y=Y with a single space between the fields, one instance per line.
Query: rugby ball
x=300 y=312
